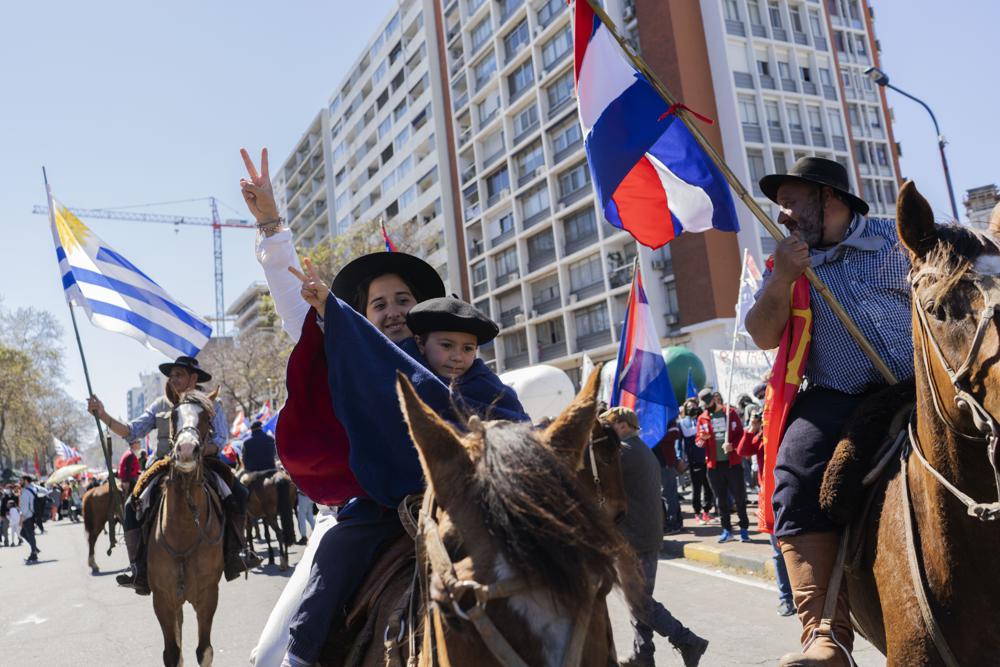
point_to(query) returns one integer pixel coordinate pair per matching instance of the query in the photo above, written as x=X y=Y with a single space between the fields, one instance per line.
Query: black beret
x=450 y=314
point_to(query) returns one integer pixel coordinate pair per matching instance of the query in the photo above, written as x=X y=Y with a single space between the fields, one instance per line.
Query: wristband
x=270 y=227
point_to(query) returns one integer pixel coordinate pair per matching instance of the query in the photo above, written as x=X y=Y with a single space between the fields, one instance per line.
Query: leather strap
x=916 y=576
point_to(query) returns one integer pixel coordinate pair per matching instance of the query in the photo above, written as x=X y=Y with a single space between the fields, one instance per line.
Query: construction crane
x=215 y=222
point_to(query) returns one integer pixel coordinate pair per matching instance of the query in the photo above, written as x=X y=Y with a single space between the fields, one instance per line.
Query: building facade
x=979 y=204
x=138 y=398
x=247 y=310
x=460 y=118
x=375 y=150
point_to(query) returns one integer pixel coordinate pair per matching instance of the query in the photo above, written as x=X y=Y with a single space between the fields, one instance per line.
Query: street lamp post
x=882 y=79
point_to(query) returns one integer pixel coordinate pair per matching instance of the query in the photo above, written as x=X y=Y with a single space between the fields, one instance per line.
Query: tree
x=250 y=369
x=362 y=238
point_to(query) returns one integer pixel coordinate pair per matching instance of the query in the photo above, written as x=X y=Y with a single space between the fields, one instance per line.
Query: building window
x=515 y=344
x=479 y=273
x=775 y=13
x=874 y=119
x=591 y=320
x=535 y=201
x=402 y=137
x=384 y=128
x=561 y=90
x=585 y=273
x=541 y=244
x=780 y=163
x=484 y=69
x=814 y=23
x=580 y=227
x=861 y=45
x=549 y=10
x=836 y=127
x=861 y=153
x=815 y=119
x=796 y=14
x=506 y=262
x=525 y=120
x=763 y=68
x=496 y=185
x=505 y=224
x=551 y=332
x=408 y=197
x=556 y=48
x=806 y=74
x=544 y=291
x=515 y=40
x=566 y=137
x=755 y=160
x=854 y=117
x=574 y=180
x=772 y=114
x=528 y=160
x=748 y=111
x=480 y=33
x=493 y=145
x=753 y=6
x=520 y=79
x=399 y=111
x=794 y=117
x=881 y=155
x=486 y=109
x=732 y=12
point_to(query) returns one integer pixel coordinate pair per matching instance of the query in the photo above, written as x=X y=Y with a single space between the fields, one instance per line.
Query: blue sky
x=131 y=103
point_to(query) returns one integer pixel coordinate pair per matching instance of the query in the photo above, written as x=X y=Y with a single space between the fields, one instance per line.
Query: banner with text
x=751 y=368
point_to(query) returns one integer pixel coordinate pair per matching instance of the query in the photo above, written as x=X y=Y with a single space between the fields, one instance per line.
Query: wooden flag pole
x=114 y=496
x=744 y=195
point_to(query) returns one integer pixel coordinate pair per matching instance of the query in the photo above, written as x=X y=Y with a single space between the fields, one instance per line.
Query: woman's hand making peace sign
x=314 y=290
x=257 y=191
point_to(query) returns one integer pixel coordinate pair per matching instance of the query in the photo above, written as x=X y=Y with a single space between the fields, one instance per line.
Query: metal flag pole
x=745 y=196
x=116 y=500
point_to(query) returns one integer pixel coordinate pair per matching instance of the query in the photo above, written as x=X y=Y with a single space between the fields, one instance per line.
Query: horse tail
x=282 y=485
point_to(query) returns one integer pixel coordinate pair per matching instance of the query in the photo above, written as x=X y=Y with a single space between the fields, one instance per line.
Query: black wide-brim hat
x=450 y=314
x=420 y=275
x=818 y=171
x=190 y=363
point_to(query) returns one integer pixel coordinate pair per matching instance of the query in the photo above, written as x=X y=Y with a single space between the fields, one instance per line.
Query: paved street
x=57 y=614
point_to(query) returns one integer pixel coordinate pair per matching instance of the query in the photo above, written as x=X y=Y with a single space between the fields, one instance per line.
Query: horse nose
x=185 y=448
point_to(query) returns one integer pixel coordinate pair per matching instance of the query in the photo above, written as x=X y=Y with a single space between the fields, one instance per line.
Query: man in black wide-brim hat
x=859 y=260
x=183 y=374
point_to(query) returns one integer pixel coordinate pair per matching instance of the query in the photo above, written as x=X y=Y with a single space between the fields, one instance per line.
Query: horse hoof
x=206 y=658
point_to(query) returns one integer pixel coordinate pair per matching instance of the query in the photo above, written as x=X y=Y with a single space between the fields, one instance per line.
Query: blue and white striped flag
x=116 y=295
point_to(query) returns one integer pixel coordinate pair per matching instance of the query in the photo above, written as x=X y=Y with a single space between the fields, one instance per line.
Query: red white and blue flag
x=65 y=455
x=241 y=426
x=651 y=177
x=389 y=245
x=641 y=379
x=264 y=413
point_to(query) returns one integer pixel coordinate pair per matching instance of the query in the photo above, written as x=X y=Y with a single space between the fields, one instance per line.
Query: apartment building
x=375 y=151
x=137 y=399
x=246 y=310
x=979 y=204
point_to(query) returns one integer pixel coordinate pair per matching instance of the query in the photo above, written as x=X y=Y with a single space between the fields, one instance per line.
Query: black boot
x=135 y=578
x=691 y=649
x=240 y=557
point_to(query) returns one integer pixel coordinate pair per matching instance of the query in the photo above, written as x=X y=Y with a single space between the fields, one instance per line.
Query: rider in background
x=861 y=263
x=258 y=450
x=183 y=375
x=128 y=467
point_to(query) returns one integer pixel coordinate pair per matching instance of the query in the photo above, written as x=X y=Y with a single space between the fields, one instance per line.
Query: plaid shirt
x=872 y=287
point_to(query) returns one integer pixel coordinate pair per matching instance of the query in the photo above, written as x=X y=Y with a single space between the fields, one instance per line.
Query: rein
x=601 y=500
x=476 y=614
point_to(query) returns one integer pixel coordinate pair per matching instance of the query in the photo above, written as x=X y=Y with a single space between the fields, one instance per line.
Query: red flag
x=782 y=387
x=38 y=468
x=389 y=245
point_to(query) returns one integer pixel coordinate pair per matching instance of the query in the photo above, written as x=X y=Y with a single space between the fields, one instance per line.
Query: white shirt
x=27 y=503
x=275 y=254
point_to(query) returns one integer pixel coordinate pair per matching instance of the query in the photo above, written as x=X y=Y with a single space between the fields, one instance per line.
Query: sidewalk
x=700 y=543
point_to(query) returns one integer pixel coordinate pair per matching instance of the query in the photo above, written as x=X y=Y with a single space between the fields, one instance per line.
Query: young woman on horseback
x=184 y=374
x=860 y=261
x=350 y=345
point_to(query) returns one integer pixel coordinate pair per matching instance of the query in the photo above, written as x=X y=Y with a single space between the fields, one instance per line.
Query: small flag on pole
x=692 y=389
x=641 y=379
x=389 y=245
x=652 y=178
x=117 y=295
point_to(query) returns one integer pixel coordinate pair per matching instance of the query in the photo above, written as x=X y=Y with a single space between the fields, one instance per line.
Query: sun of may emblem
x=72 y=232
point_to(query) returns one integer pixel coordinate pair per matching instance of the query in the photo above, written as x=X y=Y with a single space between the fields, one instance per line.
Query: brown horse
x=96 y=503
x=931 y=596
x=185 y=543
x=271 y=497
x=566 y=447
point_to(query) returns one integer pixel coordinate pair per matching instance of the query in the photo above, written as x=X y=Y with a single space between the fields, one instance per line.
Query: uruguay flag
x=651 y=177
x=117 y=295
x=641 y=379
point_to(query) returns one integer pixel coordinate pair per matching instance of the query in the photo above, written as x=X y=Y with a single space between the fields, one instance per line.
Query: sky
x=135 y=103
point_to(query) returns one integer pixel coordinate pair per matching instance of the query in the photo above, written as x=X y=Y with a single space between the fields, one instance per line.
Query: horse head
x=512 y=516
x=190 y=428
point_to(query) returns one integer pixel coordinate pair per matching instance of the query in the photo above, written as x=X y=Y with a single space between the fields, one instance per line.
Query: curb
x=717 y=556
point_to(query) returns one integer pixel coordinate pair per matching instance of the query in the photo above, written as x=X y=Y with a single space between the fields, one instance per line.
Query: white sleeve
x=275 y=254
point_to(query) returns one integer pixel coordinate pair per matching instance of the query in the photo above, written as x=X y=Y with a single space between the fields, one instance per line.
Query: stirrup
x=825 y=629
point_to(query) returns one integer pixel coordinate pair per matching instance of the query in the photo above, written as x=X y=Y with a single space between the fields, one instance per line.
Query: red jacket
x=752 y=444
x=128 y=467
x=705 y=436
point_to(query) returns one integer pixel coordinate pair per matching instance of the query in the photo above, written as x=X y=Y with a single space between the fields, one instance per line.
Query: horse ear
x=915 y=221
x=443 y=457
x=570 y=432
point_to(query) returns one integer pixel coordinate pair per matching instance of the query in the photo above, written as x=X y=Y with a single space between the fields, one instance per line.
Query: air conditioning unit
x=573 y=298
x=519 y=318
x=538 y=172
x=672 y=319
x=534 y=313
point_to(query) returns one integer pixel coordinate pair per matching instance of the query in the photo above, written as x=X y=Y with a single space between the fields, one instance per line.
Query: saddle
x=393 y=567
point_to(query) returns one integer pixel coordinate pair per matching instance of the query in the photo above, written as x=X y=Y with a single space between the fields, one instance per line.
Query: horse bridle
x=476 y=614
x=988 y=430
x=601 y=500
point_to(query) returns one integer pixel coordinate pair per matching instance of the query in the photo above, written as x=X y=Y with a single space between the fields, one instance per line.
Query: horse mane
x=955 y=252
x=544 y=522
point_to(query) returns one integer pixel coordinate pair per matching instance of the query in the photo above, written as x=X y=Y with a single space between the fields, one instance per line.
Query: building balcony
x=820 y=43
x=476 y=248
x=743 y=80
x=568 y=150
x=553 y=351
x=472 y=211
x=540 y=260
x=547 y=306
x=620 y=276
x=508 y=318
x=753 y=133
x=819 y=139
x=493 y=158
x=559 y=106
x=572 y=245
x=736 y=28
x=767 y=81
x=505 y=278
x=526 y=132
x=779 y=33
x=516 y=361
x=758 y=30
x=575 y=195
x=497 y=240
x=535 y=218
x=830 y=93
x=798 y=136
x=585 y=291
x=591 y=340
x=809 y=88
x=800 y=38
x=789 y=85
x=480 y=289
x=840 y=143
x=460 y=101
